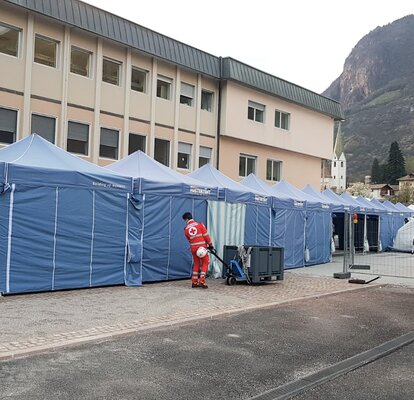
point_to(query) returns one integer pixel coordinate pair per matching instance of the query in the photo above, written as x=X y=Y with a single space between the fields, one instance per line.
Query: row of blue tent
x=67 y=223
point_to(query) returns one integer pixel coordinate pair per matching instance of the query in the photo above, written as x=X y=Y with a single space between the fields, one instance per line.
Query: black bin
x=266 y=262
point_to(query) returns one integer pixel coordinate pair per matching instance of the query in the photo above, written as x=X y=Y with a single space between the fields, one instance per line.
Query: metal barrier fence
x=365 y=256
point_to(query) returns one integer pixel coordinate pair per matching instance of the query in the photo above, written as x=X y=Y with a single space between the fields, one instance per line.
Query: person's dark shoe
x=202 y=285
x=194 y=285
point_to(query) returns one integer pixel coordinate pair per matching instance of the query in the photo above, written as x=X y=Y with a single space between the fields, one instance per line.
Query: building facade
x=103 y=87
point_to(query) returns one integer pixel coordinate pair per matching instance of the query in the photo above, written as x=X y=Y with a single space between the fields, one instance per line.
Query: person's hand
x=210 y=246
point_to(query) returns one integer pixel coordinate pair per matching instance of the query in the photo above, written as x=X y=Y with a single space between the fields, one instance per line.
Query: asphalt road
x=389 y=378
x=229 y=358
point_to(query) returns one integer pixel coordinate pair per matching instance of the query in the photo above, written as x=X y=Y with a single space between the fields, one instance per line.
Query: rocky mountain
x=376 y=89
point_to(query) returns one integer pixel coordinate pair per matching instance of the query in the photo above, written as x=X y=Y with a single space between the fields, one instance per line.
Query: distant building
x=406 y=181
x=338 y=173
x=382 y=191
x=335 y=178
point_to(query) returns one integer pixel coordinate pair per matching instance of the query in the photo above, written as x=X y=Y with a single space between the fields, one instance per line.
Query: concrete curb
x=108 y=332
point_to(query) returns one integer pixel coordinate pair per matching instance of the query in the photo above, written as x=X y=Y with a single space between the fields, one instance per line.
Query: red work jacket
x=197 y=235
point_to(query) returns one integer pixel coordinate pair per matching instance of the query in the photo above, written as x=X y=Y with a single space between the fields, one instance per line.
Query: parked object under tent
x=240 y=215
x=161 y=196
x=64 y=221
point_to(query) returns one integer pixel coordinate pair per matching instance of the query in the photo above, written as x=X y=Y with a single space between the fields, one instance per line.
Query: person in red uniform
x=199 y=239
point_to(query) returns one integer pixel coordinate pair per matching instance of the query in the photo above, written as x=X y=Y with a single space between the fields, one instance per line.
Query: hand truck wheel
x=231 y=280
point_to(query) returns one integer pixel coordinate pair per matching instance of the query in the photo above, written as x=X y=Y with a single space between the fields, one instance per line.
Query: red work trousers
x=199 y=275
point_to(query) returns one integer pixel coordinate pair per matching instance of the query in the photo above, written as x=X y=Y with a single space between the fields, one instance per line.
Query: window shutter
x=184 y=148
x=77 y=131
x=44 y=126
x=109 y=137
x=205 y=152
x=8 y=120
x=187 y=90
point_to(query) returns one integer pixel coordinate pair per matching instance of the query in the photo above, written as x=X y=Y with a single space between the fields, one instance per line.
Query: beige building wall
x=29 y=87
x=56 y=92
x=297 y=169
x=300 y=148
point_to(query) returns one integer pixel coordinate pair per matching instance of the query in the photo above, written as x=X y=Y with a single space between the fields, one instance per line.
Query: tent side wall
x=289 y=232
x=61 y=238
x=166 y=254
x=258 y=225
x=318 y=234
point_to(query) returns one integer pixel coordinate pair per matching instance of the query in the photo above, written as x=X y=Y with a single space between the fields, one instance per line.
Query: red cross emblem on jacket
x=197 y=235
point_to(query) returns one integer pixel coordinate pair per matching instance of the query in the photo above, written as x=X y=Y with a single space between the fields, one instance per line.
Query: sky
x=302 y=41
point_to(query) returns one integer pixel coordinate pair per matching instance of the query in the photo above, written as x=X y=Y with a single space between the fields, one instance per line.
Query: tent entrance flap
x=226 y=224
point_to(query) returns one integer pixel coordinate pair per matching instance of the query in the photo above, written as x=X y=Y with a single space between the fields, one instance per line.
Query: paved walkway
x=38 y=322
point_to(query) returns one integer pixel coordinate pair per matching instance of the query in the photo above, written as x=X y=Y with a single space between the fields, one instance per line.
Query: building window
x=45 y=51
x=187 y=94
x=247 y=165
x=164 y=87
x=184 y=156
x=136 y=142
x=282 y=120
x=255 y=111
x=8 y=125
x=207 y=100
x=162 y=151
x=139 y=80
x=273 y=170
x=109 y=143
x=342 y=164
x=111 y=71
x=334 y=164
x=9 y=40
x=80 y=61
x=44 y=127
x=78 y=138
x=205 y=156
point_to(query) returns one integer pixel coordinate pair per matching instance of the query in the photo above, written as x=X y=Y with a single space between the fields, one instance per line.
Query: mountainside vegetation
x=376 y=89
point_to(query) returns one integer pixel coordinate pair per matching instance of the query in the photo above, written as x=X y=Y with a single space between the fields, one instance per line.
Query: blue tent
x=259 y=218
x=64 y=221
x=388 y=221
x=289 y=226
x=318 y=224
x=404 y=209
x=339 y=204
x=161 y=196
x=241 y=216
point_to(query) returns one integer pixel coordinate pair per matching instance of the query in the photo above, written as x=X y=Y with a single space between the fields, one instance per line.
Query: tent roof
x=36 y=152
x=390 y=206
x=234 y=191
x=151 y=176
x=367 y=204
x=322 y=198
x=403 y=208
x=379 y=205
x=351 y=201
x=331 y=195
x=253 y=182
x=140 y=165
x=297 y=194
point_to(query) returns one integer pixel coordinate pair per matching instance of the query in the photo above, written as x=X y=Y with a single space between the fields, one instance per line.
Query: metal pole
x=346 y=243
x=345 y=274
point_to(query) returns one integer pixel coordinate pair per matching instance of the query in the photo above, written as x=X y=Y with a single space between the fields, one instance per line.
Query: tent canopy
x=369 y=207
x=64 y=221
x=37 y=154
x=152 y=176
x=229 y=189
x=346 y=206
x=403 y=208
